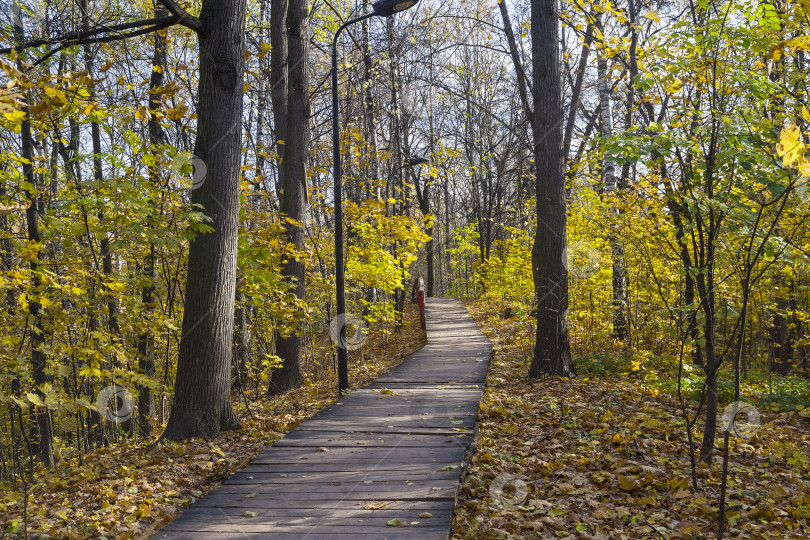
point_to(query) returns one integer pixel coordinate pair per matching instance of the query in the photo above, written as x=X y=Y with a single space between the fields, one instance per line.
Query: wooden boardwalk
x=394 y=450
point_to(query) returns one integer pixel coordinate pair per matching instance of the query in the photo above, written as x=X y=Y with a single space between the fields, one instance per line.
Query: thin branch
x=81 y=36
x=106 y=39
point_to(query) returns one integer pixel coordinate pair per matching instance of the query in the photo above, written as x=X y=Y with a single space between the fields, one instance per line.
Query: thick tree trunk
x=294 y=185
x=552 y=354
x=202 y=405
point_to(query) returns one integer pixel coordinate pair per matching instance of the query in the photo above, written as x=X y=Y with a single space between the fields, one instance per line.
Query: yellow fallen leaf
x=627 y=483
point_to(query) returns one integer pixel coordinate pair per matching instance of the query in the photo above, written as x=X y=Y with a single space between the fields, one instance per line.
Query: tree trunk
x=106 y=255
x=43 y=443
x=202 y=405
x=396 y=134
x=610 y=187
x=371 y=120
x=552 y=354
x=781 y=341
x=146 y=339
x=705 y=283
x=294 y=185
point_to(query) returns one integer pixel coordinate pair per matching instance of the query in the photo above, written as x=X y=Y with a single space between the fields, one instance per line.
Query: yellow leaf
x=35 y=399
x=790 y=147
x=805 y=114
x=653 y=16
x=627 y=483
x=143 y=113
x=15 y=116
x=107 y=65
x=178 y=112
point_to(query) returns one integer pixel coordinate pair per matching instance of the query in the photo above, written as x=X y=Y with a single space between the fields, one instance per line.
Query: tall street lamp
x=383 y=8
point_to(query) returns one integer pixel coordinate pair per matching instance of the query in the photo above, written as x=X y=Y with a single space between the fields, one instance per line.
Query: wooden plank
x=270 y=498
x=361 y=467
x=314 y=533
x=207 y=518
x=260 y=475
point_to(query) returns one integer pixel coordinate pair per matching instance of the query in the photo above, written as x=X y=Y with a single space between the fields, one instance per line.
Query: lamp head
x=418 y=160
x=384 y=8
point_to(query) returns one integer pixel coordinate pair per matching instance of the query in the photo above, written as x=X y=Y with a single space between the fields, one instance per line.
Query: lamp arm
x=344 y=26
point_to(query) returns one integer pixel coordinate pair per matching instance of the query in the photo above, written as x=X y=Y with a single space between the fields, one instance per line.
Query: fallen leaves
x=603 y=458
x=135 y=488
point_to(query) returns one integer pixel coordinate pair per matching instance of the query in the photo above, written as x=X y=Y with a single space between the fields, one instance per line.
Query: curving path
x=394 y=450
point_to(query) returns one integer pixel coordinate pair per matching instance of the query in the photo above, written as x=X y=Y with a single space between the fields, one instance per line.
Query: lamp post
x=399 y=293
x=382 y=8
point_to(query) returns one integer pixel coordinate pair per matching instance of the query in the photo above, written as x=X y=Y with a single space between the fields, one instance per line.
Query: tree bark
x=202 y=405
x=371 y=120
x=146 y=339
x=294 y=186
x=610 y=187
x=43 y=443
x=552 y=354
x=398 y=188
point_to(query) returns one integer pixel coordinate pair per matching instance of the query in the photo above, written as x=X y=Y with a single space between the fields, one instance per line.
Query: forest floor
x=132 y=489
x=605 y=456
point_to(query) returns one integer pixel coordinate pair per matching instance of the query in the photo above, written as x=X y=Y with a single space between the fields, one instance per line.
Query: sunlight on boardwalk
x=391 y=451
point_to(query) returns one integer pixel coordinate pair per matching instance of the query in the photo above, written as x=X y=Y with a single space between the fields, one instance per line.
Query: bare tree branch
x=83 y=36
x=184 y=17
